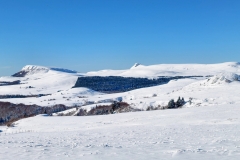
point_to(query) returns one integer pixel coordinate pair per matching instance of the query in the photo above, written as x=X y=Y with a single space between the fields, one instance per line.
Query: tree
x=171 y=104
x=180 y=102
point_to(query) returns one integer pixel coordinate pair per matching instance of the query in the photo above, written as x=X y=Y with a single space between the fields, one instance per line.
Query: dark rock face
x=20 y=74
x=113 y=84
x=10 y=112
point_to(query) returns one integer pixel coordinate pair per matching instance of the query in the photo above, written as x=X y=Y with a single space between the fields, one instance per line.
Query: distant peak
x=30 y=70
x=135 y=65
x=34 y=69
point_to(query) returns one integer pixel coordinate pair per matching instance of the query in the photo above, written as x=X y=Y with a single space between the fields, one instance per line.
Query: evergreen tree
x=171 y=104
x=179 y=102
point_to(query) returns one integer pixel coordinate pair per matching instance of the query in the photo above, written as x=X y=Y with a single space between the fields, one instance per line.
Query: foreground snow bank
x=191 y=133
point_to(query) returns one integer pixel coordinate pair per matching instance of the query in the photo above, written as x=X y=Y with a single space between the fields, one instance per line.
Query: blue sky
x=87 y=35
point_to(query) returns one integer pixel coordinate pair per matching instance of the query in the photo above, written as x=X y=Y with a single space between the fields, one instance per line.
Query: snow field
x=190 y=133
x=207 y=127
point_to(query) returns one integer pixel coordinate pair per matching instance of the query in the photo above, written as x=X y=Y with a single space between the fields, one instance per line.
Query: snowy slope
x=33 y=69
x=192 y=133
x=211 y=91
x=43 y=80
x=171 y=70
x=201 y=93
x=207 y=127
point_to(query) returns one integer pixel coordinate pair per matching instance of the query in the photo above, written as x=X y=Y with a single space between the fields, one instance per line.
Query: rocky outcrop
x=20 y=74
x=10 y=112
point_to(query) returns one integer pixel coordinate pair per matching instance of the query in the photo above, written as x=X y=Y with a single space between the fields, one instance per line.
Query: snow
x=190 y=133
x=202 y=91
x=207 y=127
x=224 y=78
x=42 y=81
x=172 y=70
x=33 y=69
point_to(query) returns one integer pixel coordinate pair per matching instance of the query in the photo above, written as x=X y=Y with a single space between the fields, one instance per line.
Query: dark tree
x=171 y=104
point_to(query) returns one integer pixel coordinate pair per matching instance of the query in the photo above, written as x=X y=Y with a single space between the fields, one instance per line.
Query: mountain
x=56 y=84
x=35 y=80
x=210 y=107
x=152 y=71
x=33 y=69
x=136 y=65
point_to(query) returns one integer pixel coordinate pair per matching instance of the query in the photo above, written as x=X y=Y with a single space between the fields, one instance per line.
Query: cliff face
x=10 y=112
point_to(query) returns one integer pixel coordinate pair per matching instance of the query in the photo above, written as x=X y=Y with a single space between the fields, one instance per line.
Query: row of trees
x=179 y=103
x=113 y=84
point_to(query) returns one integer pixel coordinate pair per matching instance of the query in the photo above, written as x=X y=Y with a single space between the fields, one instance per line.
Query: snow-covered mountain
x=33 y=69
x=58 y=84
x=136 y=65
x=171 y=70
x=36 y=80
x=205 y=128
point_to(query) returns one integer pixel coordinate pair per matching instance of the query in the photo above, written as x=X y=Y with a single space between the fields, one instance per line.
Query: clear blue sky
x=87 y=35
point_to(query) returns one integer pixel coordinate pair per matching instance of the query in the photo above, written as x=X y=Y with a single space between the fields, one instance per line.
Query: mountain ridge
x=35 y=69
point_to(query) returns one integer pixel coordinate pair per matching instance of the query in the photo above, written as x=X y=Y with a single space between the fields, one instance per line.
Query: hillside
x=47 y=87
x=205 y=127
x=171 y=70
x=210 y=132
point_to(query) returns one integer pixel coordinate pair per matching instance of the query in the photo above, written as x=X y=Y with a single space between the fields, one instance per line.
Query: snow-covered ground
x=59 y=82
x=207 y=127
x=208 y=132
x=201 y=91
x=139 y=70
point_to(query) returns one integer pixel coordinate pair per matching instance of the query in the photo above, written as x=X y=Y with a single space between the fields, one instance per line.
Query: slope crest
x=33 y=69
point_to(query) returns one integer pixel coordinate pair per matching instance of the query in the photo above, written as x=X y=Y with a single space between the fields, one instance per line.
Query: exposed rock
x=136 y=65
